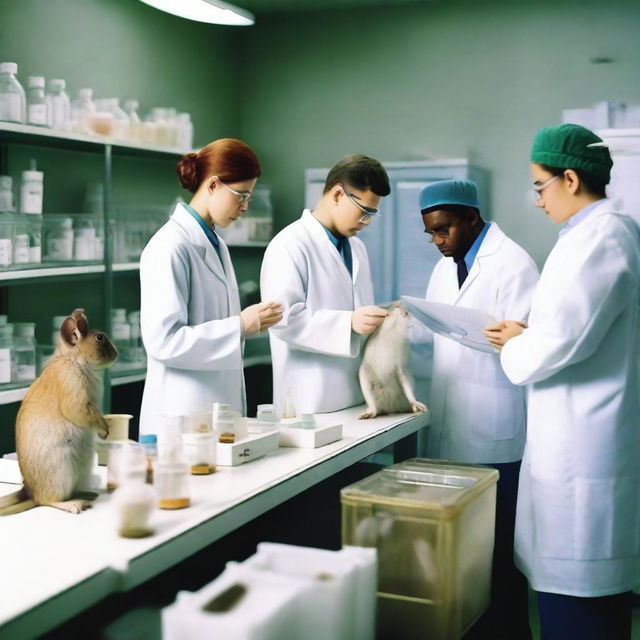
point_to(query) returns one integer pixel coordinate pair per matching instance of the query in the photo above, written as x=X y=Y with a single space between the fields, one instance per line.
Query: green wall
x=450 y=79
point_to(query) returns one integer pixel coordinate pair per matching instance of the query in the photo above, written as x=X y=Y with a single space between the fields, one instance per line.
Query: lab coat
x=314 y=352
x=578 y=517
x=190 y=322
x=477 y=415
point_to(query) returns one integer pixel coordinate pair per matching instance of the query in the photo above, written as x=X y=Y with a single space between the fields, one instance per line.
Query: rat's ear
x=80 y=317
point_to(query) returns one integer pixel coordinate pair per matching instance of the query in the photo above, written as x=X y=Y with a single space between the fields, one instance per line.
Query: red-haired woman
x=192 y=325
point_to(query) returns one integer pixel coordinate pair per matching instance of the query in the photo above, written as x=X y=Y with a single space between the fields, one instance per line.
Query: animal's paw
x=369 y=413
x=103 y=432
x=72 y=506
x=417 y=407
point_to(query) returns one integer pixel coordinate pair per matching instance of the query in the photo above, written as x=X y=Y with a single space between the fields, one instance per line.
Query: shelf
x=125 y=266
x=127 y=372
x=7 y=396
x=27 y=134
x=40 y=271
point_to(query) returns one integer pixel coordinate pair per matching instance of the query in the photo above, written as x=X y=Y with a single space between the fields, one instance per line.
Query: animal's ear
x=74 y=327
x=80 y=317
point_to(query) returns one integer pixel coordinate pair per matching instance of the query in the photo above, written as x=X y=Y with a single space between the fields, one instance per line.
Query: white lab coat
x=191 y=326
x=477 y=415
x=313 y=349
x=578 y=518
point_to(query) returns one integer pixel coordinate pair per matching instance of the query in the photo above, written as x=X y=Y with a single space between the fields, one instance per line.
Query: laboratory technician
x=578 y=519
x=192 y=325
x=477 y=414
x=320 y=271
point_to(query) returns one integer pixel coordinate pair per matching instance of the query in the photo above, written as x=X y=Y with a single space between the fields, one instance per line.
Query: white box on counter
x=255 y=445
x=291 y=436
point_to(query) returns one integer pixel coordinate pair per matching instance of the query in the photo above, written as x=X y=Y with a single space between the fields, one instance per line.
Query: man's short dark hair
x=360 y=172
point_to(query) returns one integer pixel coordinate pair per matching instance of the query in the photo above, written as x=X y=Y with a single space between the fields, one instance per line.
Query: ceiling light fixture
x=212 y=11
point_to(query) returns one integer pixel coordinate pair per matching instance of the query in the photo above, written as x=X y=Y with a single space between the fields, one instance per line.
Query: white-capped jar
x=13 y=102
x=31 y=190
x=36 y=103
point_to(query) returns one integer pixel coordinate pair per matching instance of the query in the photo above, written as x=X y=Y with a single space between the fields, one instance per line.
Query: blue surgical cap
x=461 y=192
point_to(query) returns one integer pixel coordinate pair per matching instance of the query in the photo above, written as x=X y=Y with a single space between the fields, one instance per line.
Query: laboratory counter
x=56 y=565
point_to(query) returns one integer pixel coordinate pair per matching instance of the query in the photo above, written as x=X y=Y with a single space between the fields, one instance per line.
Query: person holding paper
x=320 y=271
x=477 y=414
x=578 y=520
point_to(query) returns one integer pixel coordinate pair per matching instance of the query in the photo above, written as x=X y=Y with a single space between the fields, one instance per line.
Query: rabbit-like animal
x=384 y=375
x=57 y=419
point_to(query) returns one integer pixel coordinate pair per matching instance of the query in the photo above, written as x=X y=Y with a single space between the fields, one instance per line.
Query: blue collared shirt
x=580 y=216
x=210 y=233
x=343 y=247
x=470 y=256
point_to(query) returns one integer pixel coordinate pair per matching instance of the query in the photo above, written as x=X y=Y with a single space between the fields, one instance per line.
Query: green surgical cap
x=567 y=146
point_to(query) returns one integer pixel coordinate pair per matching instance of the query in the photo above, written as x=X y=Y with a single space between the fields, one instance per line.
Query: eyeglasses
x=245 y=196
x=440 y=233
x=369 y=212
x=536 y=191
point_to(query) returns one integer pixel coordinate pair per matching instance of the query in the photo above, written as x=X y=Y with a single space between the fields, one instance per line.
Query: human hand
x=500 y=333
x=258 y=317
x=365 y=320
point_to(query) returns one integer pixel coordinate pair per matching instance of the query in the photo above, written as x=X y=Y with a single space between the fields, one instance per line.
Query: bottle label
x=11 y=107
x=6 y=252
x=5 y=365
x=35 y=255
x=21 y=249
x=37 y=114
x=31 y=198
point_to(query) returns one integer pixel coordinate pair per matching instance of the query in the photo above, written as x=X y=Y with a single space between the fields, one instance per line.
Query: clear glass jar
x=121 y=332
x=125 y=459
x=171 y=479
x=135 y=126
x=84 y=238
x=6 y=241
x=31 y=190
x=82 y=111
x=21 y=239
x=25 y=350
x=36 y=103
x=58 y=238
x=133 y=502
x=7 y=354
x=34 y=223
x=56 y=324
x=200 y=451
x=58 y=104
x=13 y=102
x=6 y=194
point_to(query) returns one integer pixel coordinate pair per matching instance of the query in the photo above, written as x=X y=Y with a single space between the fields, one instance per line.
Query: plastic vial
x=36 y=103
x=125 y=458
x=133 y=502
x=21 y=239
x=200 y=450
x=31 y=190
x=82 y=111
x=6 y=193
x=184 y=135
x=149 y=443
x=13 y=102
x=7 y=354
x=121 y=332
x=59 y=107
x=58 y=231
x=135 y=126
x=171 y=479
x=25 y=350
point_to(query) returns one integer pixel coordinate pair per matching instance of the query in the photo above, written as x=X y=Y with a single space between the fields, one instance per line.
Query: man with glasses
x=477 y=415
x=320 y=271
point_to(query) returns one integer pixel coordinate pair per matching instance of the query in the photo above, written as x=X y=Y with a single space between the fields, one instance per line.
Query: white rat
x=385 y=379
x=57 y=419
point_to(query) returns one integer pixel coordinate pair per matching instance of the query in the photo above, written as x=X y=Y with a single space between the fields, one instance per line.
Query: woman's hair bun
x=187 y=168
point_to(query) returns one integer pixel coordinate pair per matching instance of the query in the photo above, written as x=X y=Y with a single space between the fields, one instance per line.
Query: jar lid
x=57 y=84
x=6 y=331
x=148 y=438
x=24 y=329
x=6 y=182
x=9 y=67
x=35 y=81
x=36 y=176
x=85 y=94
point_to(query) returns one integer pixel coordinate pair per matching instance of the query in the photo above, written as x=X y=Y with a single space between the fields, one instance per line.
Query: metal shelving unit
x=109 y=148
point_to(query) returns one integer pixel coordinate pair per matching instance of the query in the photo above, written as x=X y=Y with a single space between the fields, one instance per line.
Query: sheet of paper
x=457 y=323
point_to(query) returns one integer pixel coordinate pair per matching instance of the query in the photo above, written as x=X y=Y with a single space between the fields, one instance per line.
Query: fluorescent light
x=213 y=11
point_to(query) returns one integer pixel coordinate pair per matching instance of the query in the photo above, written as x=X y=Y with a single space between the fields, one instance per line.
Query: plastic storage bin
x=432 y=523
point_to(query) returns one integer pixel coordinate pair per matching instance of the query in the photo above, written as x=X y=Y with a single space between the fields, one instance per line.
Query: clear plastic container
x=7 y=354
x=200 y=451
x=135 y=126
x=6 y=194
x=82 y=111
x=36 y=103
x=171 y=479
x=6 y=241
x=184 y=132
x=58 y=238
x=120 y=119
x=125 y=459
x=21 y=254
x=13 y=102
x=432 y=523
x=121 y=332
x=58 y=104
x=25 y=351
x=31 y=190
x=35 y=223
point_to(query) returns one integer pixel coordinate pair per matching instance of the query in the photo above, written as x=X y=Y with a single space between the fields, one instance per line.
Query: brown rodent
x=385 y=379
x=57 y=419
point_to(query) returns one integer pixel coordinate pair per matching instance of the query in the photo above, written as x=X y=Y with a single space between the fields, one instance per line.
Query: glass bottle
x=82 y=111
x=171 y=478
x=184 y=135
x=36 y=103
x=25 y=350
x=120 y=118
x=7 y=354
x=13 y=102
x=135 y=126
x=59 y=107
